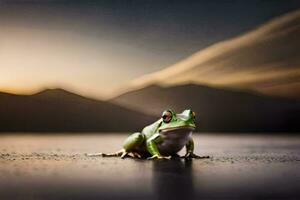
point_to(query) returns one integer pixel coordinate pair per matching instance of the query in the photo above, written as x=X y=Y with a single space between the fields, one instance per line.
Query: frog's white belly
x=174 y=140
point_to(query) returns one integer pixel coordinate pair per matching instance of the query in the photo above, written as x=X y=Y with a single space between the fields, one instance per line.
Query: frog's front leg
x=152 y=147
x=190 y=150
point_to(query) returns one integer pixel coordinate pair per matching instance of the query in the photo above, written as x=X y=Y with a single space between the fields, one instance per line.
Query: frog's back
x=151 y=129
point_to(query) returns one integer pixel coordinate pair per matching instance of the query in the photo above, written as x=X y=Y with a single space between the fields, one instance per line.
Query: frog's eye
x=194 y=115
x=167 y=116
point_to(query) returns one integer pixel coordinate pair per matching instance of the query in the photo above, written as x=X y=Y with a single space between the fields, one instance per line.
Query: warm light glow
x=32 y=59
x=248 y=61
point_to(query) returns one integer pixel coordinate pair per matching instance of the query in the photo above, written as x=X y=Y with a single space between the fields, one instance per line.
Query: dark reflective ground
x=241 y=167
x=173 y=179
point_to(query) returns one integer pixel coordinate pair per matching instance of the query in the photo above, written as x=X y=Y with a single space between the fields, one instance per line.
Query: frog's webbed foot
x=190 y=155
x=159 y=157
x=122 y=153
x=135 y=155
x=125 y=154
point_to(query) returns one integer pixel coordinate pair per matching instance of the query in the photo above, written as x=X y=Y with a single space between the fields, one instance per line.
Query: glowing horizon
x=95 y=49
x=34 y=61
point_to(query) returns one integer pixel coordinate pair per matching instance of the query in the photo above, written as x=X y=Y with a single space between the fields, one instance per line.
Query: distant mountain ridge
x=58 y=110
x=218 y=109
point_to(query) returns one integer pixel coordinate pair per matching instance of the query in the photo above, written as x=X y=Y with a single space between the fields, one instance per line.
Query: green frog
x=163 y=139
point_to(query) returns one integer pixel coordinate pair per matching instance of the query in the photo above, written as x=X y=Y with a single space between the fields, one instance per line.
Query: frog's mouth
x=183 y=128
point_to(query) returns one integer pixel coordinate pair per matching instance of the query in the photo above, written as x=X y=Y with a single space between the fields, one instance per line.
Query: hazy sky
x=94 y=47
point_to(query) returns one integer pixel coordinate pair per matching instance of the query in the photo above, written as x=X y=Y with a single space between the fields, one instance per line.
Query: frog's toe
x=159 y=157
x=199 y=157
x=166 y=157
x=187 y=155
x=124 y=154
x=105 y=154
x=192 y=155
x=136 y=155
x=204 y=157
x=95 y=154
x=152 y=157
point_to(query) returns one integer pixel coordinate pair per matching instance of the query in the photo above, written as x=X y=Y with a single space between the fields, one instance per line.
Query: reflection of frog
x=162 y=139
x=173 y=179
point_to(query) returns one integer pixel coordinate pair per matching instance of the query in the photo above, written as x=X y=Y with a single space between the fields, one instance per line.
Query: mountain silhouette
x=218 y=109
x=57 y=110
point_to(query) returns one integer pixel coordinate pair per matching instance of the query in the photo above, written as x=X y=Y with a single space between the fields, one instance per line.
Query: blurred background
x=91 y=65
x=78 y=76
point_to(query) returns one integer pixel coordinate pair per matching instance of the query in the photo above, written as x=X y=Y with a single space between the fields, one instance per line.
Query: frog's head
x=172 y=121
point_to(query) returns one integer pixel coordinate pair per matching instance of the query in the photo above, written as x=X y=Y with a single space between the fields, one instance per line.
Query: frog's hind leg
x=132 y=143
